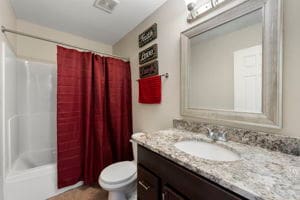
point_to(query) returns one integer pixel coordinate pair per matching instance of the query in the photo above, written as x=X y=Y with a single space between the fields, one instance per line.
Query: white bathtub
x=37 y=183
x=32 y=173
x=34 y=159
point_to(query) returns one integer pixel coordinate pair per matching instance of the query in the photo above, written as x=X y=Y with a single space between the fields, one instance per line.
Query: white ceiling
x=81 y=18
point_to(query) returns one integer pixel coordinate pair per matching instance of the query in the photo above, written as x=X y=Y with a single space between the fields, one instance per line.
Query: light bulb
x=187 y=2
x=190 y=4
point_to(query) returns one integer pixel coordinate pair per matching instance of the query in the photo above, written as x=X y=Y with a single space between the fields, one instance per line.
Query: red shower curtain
x=94 y=115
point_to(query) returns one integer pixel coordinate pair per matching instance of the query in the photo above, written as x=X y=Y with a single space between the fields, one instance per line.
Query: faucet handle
x=209 y=131
x=211 y=134
x=222 y=136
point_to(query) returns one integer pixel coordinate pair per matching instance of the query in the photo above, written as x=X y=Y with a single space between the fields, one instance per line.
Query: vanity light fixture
x=190 y=4
x=106 y=5
x=199 y=7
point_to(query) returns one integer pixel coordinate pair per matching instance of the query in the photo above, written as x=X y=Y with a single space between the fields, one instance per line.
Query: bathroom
x=185 y=135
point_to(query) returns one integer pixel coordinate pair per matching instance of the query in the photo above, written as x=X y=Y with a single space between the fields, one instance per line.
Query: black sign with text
x=150 y=69
x=148 y=35
x=148 y=54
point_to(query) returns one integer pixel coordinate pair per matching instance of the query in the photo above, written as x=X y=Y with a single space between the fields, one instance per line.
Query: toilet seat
x=118 y=174
x=119 y=179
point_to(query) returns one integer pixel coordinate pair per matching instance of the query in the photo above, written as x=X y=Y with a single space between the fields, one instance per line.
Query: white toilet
x=119 y=179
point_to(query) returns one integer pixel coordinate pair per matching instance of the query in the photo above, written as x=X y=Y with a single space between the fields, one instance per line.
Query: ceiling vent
x=106 y=5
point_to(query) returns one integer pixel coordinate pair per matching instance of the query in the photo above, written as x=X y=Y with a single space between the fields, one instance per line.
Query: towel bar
x=166 y=75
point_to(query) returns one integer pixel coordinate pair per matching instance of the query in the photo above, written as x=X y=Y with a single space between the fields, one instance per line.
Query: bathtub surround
x=8 y=107
x=94 y=115
x=7 y=18
x=274 y=142
x=171 y=21
x=31 y=145
x=259 y=174
x=30 y=148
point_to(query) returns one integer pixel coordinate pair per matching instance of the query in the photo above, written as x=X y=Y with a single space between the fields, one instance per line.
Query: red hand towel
x=150 y=90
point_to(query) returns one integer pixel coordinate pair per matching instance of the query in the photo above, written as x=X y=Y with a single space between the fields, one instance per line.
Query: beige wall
x=171 y=20
x=291 y=68
x=7 y=19
x=212 y=66
x=45 y=51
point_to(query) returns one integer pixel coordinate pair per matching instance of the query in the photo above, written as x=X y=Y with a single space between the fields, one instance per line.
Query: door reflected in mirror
x=225 y=66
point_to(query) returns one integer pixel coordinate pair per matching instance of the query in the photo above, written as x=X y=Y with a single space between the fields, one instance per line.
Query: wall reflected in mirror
x=225 y=66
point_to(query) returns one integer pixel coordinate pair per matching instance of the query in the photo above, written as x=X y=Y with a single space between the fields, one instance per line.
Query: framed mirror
x=231 y=66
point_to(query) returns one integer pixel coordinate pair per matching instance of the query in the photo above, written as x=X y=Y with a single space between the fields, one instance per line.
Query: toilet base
x=116 y=195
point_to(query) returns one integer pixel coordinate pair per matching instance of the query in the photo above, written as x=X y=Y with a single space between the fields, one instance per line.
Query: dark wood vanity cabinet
x=170 y=194
x=162 y=179
x=148 y=185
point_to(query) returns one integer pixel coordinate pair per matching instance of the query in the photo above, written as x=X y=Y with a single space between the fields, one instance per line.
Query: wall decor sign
x=148 y=35
x=148 y=54
x=150 y=69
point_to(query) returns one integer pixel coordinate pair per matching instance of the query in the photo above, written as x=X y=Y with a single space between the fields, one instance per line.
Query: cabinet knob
x=146 y=187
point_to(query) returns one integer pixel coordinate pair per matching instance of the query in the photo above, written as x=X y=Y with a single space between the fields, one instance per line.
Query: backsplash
x=274 y=142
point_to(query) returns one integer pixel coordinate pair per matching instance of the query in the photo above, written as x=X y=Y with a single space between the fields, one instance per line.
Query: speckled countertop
x=259 y=174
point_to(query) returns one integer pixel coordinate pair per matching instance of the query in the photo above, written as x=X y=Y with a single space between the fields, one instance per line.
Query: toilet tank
x=134 y=147
x=134 y=150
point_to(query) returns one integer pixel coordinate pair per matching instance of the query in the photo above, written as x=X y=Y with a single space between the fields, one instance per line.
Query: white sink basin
x=207 y=150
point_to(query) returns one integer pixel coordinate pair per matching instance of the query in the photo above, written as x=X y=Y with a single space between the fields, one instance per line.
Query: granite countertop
x=259 y=174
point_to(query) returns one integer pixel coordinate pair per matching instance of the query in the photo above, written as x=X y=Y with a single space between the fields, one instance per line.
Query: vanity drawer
x=187 y=183
x=147 y=185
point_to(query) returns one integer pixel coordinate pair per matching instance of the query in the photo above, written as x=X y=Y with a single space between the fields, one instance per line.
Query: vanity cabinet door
x=147 y=185
x=169 y=194
x=187 y=183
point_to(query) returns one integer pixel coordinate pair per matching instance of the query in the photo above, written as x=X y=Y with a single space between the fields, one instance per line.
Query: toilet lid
x=118 y=172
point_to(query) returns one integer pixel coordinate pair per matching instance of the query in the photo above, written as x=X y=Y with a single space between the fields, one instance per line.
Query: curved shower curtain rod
x=3 y=30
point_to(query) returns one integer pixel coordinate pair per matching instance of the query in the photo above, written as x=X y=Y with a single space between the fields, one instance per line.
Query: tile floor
x=87 y=193
x=83 y=193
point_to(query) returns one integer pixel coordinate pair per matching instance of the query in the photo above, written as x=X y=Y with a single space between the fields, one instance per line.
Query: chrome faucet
x=216 y=136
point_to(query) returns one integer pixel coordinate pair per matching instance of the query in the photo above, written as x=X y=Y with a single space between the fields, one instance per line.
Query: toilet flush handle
x=146 y=187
